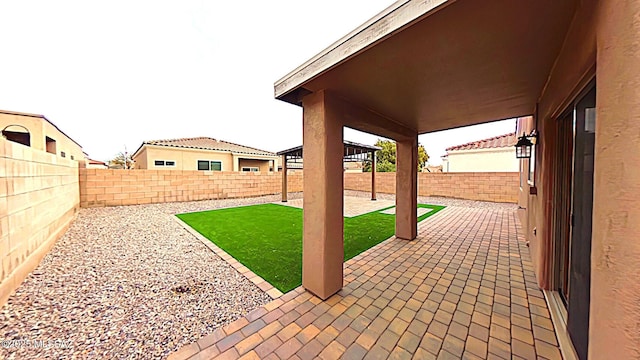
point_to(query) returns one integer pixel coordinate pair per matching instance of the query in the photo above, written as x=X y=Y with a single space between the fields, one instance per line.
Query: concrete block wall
x=495 y=187
x=102 y=187
x=385 y=182
x=38 y=200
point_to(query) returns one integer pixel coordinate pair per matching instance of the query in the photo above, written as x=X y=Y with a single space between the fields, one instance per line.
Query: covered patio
x=463 y=288
x=424 y=66
x=416 y=67
x=463 y=283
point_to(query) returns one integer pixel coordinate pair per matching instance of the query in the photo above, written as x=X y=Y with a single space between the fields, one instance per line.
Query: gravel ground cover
x=126 y=282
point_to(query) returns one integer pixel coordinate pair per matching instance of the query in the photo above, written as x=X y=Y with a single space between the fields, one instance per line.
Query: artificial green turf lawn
x=267 y=238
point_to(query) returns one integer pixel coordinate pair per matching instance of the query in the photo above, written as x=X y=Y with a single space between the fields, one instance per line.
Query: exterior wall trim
x=564 y=341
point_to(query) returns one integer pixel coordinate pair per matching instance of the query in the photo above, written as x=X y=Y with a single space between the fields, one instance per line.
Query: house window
x=51 y=145
x=209 y=165
x=20 y=134
x=72 y=158
x=63 y=154
x=164 y=163
x=252 y=169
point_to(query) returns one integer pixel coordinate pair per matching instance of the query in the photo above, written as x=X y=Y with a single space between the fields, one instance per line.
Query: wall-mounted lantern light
x=524 y=144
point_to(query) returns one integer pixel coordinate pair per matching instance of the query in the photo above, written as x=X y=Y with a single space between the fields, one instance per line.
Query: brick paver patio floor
x=464 y=288
x=352 y=206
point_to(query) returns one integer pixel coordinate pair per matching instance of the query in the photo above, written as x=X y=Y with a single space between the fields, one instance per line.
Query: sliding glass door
x=572 y=218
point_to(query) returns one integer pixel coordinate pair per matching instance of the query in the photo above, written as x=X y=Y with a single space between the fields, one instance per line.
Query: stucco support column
x=407 y=188
x=373 y=175
x=322 y=242
x=236 y=163
x=284 y=178
x=614 y=327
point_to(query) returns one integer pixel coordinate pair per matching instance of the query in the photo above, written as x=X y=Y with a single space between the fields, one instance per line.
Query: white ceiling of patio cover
x=471 y=62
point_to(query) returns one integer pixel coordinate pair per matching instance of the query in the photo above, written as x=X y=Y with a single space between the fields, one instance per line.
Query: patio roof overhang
x=434 y=65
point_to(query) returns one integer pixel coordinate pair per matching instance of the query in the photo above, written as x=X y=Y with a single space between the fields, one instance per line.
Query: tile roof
x=96 y=162
x=501 y=141
x=207 y=143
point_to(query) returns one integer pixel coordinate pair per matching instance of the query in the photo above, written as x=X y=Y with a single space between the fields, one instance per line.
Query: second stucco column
x=407 y=188
x=236 y=163
x=614 y=326
x=322 y=242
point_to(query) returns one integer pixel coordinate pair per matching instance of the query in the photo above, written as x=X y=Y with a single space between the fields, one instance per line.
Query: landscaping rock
x=126 y=282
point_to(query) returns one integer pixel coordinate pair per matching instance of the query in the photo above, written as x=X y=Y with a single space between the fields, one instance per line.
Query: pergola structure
x=352 y=152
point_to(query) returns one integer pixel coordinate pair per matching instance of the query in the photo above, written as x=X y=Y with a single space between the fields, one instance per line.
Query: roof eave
x=177 y=146
x=394 y=18
x=492 y=149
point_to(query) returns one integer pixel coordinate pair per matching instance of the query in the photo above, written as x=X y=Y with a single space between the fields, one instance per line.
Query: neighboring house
x=348 y=166
x=292 y=167
x=202 y=153
x=38 y=132
x=353 y=166
x=432 y=168
x=96 y=164
x=496 y=154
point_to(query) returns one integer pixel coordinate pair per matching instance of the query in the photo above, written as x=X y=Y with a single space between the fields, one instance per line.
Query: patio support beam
x=323 y=233
x=363 y=119
x=614 y=324
x=284 y=178
x=407 y=188
x=373 y=175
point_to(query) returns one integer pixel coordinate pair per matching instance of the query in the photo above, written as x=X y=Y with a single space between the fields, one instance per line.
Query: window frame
x=163 y=163
x=210 y=162
x=250 y=169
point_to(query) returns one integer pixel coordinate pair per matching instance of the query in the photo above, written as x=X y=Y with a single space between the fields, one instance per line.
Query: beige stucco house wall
x=43 y=134
x=481 y=160
x=496 y=154
x=234 y=158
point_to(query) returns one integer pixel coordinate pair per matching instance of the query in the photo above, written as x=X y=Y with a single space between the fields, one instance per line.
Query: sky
x=112 y=74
